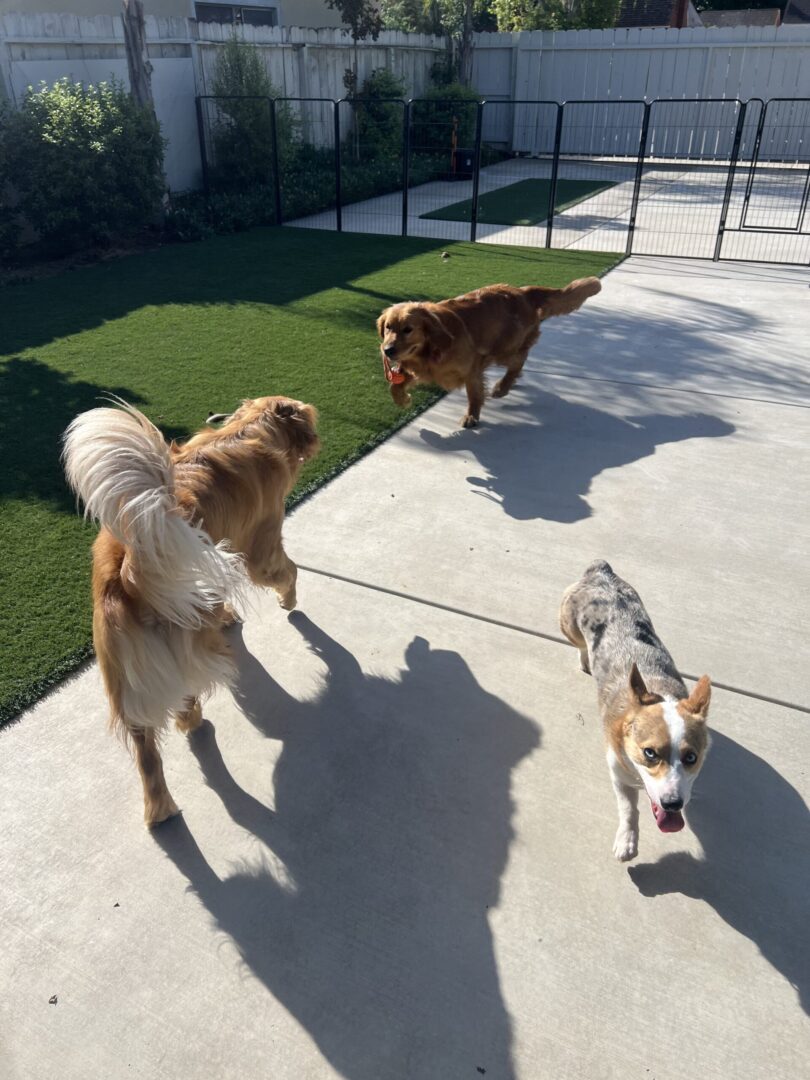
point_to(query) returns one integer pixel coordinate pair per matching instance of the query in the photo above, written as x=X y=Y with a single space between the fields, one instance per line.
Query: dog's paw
x=625 y=846
x=288 y=601
x=469 y=421
x=190 y=719
x=229 y=616
x=498 y=391
x=159 y=810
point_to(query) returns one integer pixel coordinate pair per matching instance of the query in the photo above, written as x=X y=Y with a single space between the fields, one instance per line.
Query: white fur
x=625 y=844
x=119 y=464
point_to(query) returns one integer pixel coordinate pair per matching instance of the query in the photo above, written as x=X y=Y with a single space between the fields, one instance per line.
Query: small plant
x=84 y=164
x=243 y=126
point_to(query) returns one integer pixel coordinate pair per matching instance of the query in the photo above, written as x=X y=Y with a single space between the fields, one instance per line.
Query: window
x=238 y=15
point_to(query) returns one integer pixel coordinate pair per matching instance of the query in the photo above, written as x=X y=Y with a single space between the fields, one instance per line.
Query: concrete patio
x=394 y=857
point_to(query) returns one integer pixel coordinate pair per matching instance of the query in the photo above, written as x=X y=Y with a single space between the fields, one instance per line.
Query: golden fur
x=228 y=485
x=452 y=342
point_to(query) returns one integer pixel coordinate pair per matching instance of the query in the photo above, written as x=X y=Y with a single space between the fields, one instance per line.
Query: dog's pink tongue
x=667 y=820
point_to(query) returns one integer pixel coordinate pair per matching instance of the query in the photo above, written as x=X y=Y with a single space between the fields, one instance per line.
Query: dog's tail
x=120 y=466
x=562 y=301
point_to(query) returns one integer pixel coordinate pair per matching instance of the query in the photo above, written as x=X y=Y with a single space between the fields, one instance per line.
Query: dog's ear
x=638 y=689
x=381 y=324
x=697 y=704
x=284 y=409
x=437 y=339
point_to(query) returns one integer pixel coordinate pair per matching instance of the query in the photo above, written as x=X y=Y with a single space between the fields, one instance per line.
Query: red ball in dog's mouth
x=667 y=820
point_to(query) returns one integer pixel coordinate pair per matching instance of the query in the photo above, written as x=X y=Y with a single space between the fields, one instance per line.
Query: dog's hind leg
x=158 y=805
x=475 y=399
x=569 y=627
x=514 y=366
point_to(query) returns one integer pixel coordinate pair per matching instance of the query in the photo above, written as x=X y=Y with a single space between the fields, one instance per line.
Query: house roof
x=797 y=11
x=645 y=13
x=741 y=17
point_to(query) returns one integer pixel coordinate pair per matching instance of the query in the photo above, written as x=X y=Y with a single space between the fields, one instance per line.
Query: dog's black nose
x=671 y=805
x=389 y=350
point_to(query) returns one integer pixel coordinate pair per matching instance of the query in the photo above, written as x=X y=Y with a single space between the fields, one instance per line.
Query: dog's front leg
x=475 y=399
x=625 y=845
x=281 y=573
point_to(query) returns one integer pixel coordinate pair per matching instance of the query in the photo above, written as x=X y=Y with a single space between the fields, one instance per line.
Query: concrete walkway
x=394 y=856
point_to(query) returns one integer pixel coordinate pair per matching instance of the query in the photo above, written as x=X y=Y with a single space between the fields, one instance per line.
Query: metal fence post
x=338 y=207
x=735 y=150
x=552 y=195
x=406 y=154
x=642 y=150
x=276 y=162
x=479 y=115
x=763 y=109
x=203 y=152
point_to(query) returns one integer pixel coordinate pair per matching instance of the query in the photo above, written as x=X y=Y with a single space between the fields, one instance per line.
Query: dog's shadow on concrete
x=543 y=466
x=391 y=830
x=755 y=832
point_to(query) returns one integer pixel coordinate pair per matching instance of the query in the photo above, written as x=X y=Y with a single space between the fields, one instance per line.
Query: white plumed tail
x=119 y=465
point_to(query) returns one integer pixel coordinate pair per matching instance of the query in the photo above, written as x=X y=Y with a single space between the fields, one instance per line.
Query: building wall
x=177 y=8
x=313 y=13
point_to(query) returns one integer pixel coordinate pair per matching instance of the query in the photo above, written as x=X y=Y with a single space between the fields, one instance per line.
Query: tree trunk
x=465 y=50
x=140 y=70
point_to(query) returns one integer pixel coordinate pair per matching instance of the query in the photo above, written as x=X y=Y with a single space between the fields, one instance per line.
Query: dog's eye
x=689 y=758
x=649 y=753
x=406 y=329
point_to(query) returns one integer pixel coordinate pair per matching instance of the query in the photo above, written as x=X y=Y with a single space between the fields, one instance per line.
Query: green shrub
x=242 y=123
x=85 y=164
x=378 y=118
x=195 y=216
x=438 y=112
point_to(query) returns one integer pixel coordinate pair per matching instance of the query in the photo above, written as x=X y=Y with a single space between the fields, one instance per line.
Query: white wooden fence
x=301 y=63
x=615 y=65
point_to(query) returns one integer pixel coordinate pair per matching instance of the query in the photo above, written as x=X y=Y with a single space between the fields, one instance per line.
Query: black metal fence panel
x=372 y=164
x=443 y=138
x=697 y=178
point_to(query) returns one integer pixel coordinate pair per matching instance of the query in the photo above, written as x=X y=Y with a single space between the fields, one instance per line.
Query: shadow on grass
x=37 y=403
x=544 y=467
x=393 y=827
x=755 y=832
x=272 y=266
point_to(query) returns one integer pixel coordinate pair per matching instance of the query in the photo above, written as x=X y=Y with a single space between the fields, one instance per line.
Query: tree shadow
x=277 y=266
x=667 y=339
x=755 y=832
x=544 y=466
x=368 y=921
x=37 y=403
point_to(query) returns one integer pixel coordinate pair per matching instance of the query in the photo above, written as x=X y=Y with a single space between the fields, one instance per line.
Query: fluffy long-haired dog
x=452 y=342
x=183 y=529
x=655 y=729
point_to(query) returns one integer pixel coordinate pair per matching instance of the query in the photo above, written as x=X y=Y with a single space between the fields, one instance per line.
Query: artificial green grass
x=523 y=203
x=182 y=332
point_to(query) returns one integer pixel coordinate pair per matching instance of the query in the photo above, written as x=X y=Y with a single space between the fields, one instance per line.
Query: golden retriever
x=451 y=343
x=183 y=528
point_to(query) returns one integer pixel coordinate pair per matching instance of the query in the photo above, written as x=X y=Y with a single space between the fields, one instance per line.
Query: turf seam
x=529 y=632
